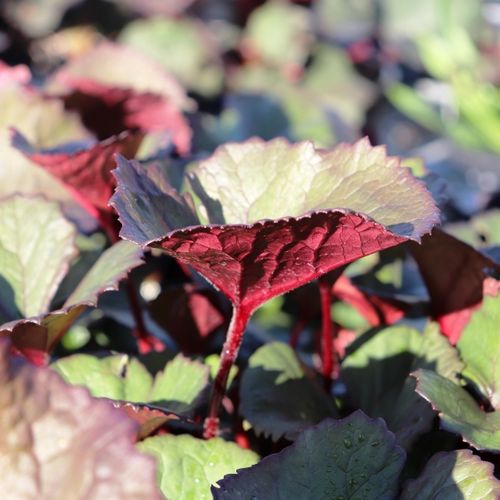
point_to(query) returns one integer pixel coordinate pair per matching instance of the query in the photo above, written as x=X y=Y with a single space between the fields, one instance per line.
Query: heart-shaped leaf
x=58 y=442
x=36 y=336
x=281 y=215
x=277 y=396
x=459 y=412
x=454 y=474
x=178 y=388
x=349 y=458
x=187 y=466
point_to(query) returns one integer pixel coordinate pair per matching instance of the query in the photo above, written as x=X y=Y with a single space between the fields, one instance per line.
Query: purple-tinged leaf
x=349 y=458
x=84 y=170
x=58 y=442
x=282 y=215
x=454 y=474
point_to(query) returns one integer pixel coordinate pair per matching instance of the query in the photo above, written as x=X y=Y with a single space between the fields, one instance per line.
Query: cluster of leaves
x=287 y=318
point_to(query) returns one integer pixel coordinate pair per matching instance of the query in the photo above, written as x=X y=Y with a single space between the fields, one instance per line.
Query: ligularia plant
x=270 y=217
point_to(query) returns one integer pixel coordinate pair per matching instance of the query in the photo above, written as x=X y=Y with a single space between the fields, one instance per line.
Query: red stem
x=230 y=349
x=145 y=341
x=328 y=357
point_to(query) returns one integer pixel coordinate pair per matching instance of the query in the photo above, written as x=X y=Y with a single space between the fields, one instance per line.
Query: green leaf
x=377 y=376
x=33 y=262
x=278 y=47
x=307 y=179
x=277 y=396
x=459 y=412
x=178 y=388
x=351 y=458
x=455 y=474
x=183 y=46
x=58 y=442
x=479 y=347
x=111 y=267
x=181 y=385
x=187 y=466
x=116 y=377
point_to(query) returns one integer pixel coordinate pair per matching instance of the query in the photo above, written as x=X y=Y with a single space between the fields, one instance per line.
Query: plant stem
x=328 y=359
x=230 y=349
x=145 y=341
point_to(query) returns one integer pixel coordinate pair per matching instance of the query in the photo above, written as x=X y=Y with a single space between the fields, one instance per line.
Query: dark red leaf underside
x=85 y=171
x=110 y=110
x=251 y=264
x=36 y=337
x=454 y=274
x=189 y=314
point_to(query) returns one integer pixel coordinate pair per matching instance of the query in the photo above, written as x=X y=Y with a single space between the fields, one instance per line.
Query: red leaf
x=86 y=172
x=110 y=110
x=454 y=274
x=252 y=263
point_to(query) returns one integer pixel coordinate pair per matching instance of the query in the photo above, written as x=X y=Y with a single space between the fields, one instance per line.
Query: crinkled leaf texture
x=35 y=336
x=58 y=442
x=355 y=457
x=459 y=412
x=454 y=474
x=178 y=388
x=377 y=376
x=187 y=466
x=280 y=215
x=277 y=396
